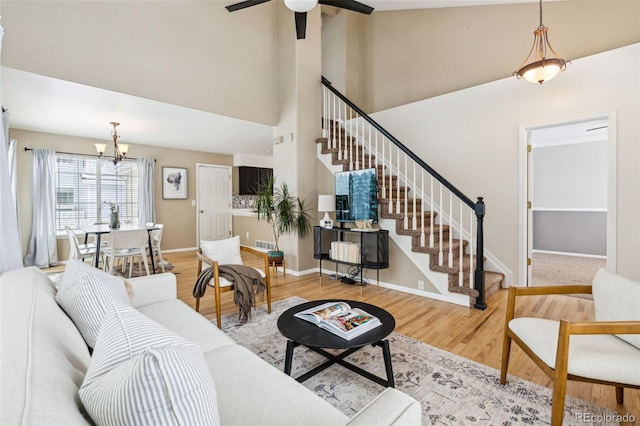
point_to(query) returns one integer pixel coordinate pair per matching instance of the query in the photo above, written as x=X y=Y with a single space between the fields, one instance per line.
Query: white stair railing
x=354 y=137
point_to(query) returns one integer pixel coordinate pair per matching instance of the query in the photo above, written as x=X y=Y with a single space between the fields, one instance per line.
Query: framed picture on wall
x=174 y=183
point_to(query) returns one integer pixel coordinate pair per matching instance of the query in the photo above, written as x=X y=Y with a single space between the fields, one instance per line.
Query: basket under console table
x=373 y=249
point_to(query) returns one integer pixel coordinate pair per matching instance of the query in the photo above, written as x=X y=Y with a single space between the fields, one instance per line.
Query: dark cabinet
x=251 y=177
x=371 y=248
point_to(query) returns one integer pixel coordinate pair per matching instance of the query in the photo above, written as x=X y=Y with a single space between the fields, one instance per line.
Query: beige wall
x=256 y=229
x=190 y=53
x=299 y=104
x=179 y=216
x=412 y=55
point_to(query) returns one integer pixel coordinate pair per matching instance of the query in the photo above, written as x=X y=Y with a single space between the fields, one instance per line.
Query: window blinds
x=84 y=185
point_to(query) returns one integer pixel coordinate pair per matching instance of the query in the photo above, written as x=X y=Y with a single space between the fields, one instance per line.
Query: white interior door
x=213 y=202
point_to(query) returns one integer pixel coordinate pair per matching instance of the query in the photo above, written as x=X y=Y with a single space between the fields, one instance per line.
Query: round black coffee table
x=301 y=332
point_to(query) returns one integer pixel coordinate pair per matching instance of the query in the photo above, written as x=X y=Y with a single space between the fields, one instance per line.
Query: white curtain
x=10 y=247
x=146 y=191
x=12 y=155
x=43 y=251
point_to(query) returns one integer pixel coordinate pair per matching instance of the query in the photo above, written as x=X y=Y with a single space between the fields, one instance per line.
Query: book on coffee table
x=340 y=319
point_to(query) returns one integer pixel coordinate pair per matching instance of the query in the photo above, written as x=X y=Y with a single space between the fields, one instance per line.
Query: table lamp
x=326 y=204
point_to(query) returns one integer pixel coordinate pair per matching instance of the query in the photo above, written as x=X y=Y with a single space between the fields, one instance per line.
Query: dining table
x=99 y=229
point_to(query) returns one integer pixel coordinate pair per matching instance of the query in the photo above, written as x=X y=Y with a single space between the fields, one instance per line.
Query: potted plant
x=285 y=213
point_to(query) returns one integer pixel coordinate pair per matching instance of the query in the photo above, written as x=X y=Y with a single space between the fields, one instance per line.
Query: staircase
x=431 y=218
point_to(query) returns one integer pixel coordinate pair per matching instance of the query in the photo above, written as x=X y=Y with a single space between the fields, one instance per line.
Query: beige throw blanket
x=247 y=282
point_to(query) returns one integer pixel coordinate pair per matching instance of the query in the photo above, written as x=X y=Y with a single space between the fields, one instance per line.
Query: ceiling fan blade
x=301 y=25
x=349 y=5
x=244 y=4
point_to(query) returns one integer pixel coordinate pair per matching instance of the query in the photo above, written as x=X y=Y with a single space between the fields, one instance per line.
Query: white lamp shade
x=301 y=5
x=326 y=203
x=541 y=73
x=100 y=147
x=124 y=148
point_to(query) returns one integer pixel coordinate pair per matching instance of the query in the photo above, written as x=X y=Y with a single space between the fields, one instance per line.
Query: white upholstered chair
x=228 y=252
x=604 y=351
x=126 y=245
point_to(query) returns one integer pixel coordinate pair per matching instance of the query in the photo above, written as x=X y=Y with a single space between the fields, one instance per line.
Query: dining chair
x=77 y=250
x=126 y=245
x=228 y=252
x=156 y=239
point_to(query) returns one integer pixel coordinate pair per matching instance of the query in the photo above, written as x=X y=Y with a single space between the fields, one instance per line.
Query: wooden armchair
x=605 y=351
x=226 y=252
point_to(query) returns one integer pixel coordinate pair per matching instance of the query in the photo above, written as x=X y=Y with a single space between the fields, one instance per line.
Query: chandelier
x=538 y=68
x=119 y=150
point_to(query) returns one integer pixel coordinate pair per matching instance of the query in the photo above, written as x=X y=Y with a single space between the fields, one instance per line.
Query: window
x=84 y=185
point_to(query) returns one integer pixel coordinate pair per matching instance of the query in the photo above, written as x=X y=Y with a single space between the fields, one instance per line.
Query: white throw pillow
x=86 y=296
x=143 y=374
x=226 y=252
x=616 y=298
x=74 y=270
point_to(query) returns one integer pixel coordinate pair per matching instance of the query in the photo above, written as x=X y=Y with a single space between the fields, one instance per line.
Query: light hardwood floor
x=474 y=334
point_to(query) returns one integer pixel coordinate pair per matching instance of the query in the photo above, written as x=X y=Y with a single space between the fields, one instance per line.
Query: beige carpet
x=553 y=269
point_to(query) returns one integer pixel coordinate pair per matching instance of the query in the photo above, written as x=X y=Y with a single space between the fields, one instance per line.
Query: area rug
x=452 y=390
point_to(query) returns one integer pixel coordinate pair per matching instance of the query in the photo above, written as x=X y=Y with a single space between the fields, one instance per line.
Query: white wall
x=471 y=138
x=570 y=197
x=570 y=176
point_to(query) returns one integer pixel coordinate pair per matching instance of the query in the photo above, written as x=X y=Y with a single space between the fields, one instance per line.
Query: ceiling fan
x=301 y=7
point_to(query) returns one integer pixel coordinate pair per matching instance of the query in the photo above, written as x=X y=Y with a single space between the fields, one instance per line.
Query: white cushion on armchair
x=226 y=252
x=597 y=356
x=617 y=298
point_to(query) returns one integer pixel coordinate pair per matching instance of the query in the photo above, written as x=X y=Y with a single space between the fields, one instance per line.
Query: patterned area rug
x=453 y=390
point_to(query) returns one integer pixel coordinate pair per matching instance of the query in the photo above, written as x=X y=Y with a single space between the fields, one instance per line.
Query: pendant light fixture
x=539 y=67
x=119 y=150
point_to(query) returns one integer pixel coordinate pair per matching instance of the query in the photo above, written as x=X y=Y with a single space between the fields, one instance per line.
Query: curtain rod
x=87 y=155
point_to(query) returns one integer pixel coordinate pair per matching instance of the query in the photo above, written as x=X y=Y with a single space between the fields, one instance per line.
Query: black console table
x=374 y=248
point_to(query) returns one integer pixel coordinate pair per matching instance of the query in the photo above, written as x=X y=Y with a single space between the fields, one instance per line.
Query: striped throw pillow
x=143 y=374
x=87 y=299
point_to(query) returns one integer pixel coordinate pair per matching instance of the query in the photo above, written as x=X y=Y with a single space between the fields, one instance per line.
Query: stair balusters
x=353 y=137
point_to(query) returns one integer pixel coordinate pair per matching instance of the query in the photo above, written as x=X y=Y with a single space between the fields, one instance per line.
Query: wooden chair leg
x=197 y=304
x=269 y=296
x=620 y=395
x=506 y=352
x=557 y=405
x=560 y=373
x=218 y=308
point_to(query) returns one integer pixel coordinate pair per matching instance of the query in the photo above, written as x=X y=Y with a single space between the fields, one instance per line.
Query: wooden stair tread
x=393 y=186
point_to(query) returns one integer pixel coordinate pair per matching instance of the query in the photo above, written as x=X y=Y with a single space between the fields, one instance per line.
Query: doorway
x=568 y=226
x=213 y=202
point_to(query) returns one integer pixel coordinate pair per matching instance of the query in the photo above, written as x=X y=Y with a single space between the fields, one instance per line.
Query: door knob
x=201 y=211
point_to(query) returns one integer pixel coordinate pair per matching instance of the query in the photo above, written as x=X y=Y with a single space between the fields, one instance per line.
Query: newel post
x=479 y=272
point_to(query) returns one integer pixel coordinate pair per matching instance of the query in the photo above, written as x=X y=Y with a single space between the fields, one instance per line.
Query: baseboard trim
x=180 y=250
x=562 y=253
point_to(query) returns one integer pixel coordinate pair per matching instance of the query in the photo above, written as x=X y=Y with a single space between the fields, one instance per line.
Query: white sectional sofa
x=44 y=359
